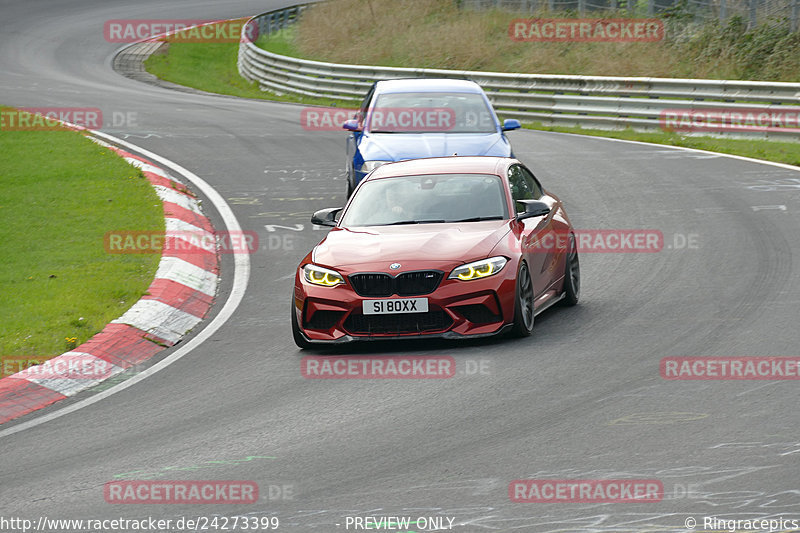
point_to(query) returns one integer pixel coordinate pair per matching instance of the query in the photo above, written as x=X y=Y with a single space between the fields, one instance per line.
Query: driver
x=397 y=198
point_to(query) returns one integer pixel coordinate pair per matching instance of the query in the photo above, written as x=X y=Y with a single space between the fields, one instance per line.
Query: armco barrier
x=603 y=102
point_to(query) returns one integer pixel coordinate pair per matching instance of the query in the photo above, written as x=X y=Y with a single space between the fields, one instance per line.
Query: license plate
x=395 y=306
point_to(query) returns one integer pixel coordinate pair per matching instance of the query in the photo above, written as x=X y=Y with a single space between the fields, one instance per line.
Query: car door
x=539 y=243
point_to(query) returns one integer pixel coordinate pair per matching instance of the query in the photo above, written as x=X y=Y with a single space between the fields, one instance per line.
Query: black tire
x=523 y=303
x=299 y=340
x=572 y=274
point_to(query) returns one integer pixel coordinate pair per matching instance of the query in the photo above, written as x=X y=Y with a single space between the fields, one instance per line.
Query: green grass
x=60 y=194
x=211 y=67
x=204 y=66
x=778 y=151
x=281 y=42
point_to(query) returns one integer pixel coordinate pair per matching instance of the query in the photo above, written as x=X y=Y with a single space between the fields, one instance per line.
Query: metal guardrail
x=603 y=102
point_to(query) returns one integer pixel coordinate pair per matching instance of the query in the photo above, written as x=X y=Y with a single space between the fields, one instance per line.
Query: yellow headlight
x=479 y=272
x=322 y=276
x=479 y=269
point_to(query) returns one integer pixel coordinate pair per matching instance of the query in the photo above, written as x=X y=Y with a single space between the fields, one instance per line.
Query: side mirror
x=511 y=124
x=533 y=208
x=326 y=217
x=351 y=125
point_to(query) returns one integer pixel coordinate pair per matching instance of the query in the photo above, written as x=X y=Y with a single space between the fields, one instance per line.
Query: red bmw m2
x=446 y=247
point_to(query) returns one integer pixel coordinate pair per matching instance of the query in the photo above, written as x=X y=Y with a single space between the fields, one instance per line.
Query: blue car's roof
x=428 y=85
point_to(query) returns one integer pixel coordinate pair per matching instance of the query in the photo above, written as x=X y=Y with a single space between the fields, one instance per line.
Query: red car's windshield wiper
x=478 y=219
x=415 y=222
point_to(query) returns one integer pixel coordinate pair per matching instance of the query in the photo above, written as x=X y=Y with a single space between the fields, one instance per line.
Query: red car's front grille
x=398 y=324
x=372 y=284
x=405 y=284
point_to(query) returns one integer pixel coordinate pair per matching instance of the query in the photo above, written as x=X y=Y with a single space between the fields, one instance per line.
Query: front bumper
x=450 y=335
x=456 y=309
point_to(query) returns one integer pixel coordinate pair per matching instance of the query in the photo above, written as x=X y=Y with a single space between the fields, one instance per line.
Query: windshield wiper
x=415 y=222
x=478 y=219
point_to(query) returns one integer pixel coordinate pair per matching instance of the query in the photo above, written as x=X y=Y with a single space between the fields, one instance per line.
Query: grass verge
x=211 y=67
x=60 y=194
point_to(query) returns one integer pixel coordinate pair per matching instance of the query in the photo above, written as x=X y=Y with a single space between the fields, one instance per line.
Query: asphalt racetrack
x=580 y=399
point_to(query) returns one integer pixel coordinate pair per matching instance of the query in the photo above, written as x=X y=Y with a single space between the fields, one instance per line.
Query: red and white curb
x=179 y=297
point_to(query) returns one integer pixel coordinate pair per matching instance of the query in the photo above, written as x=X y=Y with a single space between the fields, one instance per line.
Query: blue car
x=416 y=118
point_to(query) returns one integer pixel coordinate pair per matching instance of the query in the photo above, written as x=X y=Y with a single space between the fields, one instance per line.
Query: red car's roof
x=443 y=165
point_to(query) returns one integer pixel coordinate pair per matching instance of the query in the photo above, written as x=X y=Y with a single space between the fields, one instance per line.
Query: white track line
x=241 y=275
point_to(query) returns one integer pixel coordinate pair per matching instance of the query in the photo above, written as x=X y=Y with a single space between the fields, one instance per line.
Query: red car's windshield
x=427 y=199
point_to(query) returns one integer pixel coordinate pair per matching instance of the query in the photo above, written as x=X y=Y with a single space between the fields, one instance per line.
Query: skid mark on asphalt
x=158 y=472
x=779 y=185
x=657 y=418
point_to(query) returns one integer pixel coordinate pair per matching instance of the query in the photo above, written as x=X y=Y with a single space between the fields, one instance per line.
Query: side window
x=520 y=187
x=533 y=183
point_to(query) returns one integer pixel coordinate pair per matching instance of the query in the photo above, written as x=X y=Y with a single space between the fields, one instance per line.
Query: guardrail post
x=753 y=14
x=795 y=14
x=551 y=5
x=581 y=7
x=651 y=7
x=723 y=10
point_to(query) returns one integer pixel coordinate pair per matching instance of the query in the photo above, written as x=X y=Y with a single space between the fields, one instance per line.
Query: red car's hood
x=422 y=243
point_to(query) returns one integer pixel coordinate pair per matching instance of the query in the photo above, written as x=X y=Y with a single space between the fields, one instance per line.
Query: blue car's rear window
x=430 y=112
